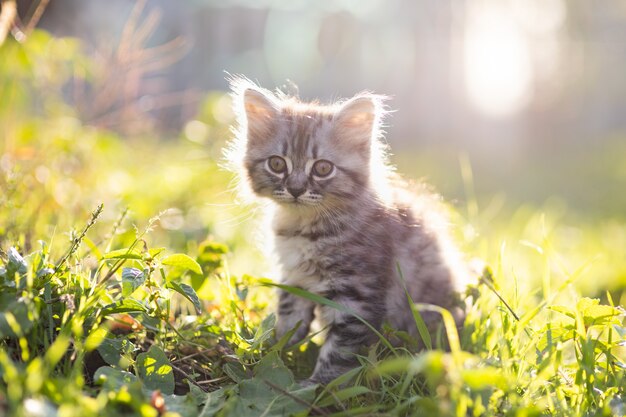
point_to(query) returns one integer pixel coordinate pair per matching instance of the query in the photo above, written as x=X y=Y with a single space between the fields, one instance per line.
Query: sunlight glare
x=540 y=17
x=497 y=61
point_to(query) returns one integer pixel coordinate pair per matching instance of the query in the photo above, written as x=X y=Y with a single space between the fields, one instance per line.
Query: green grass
x=156 y=303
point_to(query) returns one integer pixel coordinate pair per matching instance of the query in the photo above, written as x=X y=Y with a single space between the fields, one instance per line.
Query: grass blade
x=318 y=299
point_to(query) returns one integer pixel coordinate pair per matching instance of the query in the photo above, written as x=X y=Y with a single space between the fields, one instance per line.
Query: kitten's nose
x=296 y=191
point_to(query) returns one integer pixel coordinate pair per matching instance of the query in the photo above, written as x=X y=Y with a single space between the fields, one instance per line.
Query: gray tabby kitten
x=343 y=224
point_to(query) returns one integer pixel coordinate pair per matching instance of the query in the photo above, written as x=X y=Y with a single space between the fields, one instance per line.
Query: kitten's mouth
x=300 y=200
x=297 y=202
x=282 y=199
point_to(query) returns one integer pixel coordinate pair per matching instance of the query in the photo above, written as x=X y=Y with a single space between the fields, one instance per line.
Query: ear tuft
x=358 y=112
x=257 y=105
x=256 y=109
x=358 y=119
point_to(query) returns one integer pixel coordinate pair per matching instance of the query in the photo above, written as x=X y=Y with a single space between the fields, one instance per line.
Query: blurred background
x=515 y=110
x=532 y=91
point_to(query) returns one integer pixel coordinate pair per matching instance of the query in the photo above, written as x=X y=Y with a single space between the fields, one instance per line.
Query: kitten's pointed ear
x=358 y=118
x=260 y=114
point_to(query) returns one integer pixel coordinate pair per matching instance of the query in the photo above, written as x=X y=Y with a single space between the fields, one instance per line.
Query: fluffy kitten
x=344 y=225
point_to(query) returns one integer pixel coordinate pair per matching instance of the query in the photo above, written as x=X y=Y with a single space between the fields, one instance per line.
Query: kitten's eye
x=322 y=168
x=277 y=164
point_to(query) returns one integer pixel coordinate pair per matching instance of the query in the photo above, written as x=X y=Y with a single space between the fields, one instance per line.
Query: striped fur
x=347 y=235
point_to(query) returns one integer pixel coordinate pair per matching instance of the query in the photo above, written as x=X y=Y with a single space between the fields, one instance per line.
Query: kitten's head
x=304 y=154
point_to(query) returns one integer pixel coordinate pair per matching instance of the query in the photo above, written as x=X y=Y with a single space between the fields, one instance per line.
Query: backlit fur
x=345 y=236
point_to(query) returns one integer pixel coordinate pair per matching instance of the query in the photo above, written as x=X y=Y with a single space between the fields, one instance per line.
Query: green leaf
x=486 y=377
x=95 y=338
x=422 y=329
x=264 y=331
x=214 y=403
x=180 y=260
x=448 y=323
x=188 y=292
x=272 y=368
x=126 y=253
x=393 y=365
x=585 y=302
x=184 y=405
x=132 y=278
x=563 y=310
x=420 y=323
x=155 y=370
x=112 y=350
x=271 y=391
x=154 y=252
x=208 y=247
x=432 y=363
x=16 y=319
x=113 y=379
x=553 y=335
x=127 y=305
x=344 y=394
x=344 y=379
x=92 y=247
x=211 y=255
x=235 y=371
x=282 y=342
x=57 y=350
x=594 y=313
x=45 y=272
x=16 y=263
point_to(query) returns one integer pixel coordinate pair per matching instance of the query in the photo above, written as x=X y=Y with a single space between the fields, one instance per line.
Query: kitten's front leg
x=291 y=310
x=346 y=336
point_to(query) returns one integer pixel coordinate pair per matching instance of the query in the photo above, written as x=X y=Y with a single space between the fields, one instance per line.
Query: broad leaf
x=16 y=263
x=154 y=252
x=187 y=292
x=594 y=313
x=235 y=371
x=563 y=310
x=211 y=255
x=184 y=405
x=132 y=278
x=155 y=370
x=272 y=368
x=214 y=402
x=264 y=331
x=271 y=392
x=113 y=379
x=125 y=253
x=16 y=319
x=127 y=305
x=112 y=350
x=181 y=260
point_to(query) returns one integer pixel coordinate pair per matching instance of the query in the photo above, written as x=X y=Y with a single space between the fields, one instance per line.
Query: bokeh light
x=497 y=59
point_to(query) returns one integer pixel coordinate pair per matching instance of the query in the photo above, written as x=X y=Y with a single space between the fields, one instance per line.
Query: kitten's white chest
x=295 y=252
x=298 y=257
